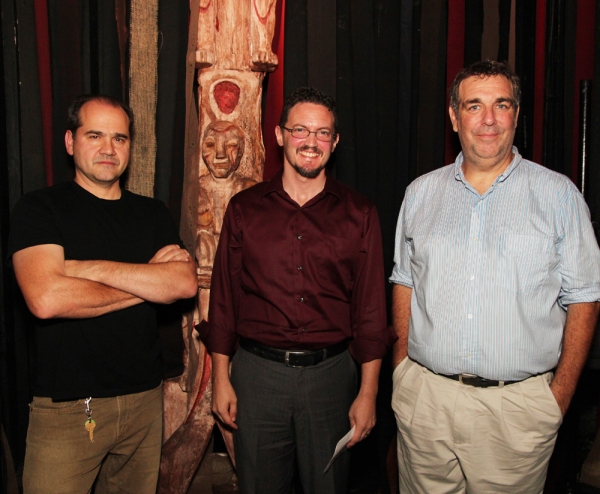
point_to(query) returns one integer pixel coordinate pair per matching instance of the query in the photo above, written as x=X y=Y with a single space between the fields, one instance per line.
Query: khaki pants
x=455 y=438
x=124 y=456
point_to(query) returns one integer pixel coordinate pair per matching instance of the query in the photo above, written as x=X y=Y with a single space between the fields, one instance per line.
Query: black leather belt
x=293 y=358
x=476 y=381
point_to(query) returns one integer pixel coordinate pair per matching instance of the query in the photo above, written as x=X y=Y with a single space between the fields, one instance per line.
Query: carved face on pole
x=222 y=148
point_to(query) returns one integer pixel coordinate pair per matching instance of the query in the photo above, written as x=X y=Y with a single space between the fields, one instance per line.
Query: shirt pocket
x=524 y=262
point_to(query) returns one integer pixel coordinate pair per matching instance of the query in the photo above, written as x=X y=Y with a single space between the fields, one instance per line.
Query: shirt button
x=299 y=237
x=472 y=277
x=304 y=330
x=470 y=316
x=299 y=268
x=302 y=299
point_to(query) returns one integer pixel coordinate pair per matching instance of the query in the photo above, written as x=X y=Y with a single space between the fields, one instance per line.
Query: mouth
x=309 y=152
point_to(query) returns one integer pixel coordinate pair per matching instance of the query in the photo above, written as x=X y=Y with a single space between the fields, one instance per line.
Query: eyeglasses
x=303 y=133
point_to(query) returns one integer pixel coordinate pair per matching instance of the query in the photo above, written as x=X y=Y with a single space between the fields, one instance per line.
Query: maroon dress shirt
x=299 y=277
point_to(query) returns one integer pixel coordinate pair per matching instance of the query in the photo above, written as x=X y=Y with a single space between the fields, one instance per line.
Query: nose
x=221 y=149
x=311 y=140
x=108 y=147
x=489 y=117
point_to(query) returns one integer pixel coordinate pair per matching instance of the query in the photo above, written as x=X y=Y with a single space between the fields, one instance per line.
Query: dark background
x=387 y=62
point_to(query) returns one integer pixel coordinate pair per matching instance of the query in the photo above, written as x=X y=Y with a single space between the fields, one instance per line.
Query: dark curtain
x=385 y=62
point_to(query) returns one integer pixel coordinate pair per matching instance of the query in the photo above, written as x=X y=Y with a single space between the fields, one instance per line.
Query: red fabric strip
x=584 y=69
x=539 y=90
x=455 y=59
x=45 y=76
x=273 y=161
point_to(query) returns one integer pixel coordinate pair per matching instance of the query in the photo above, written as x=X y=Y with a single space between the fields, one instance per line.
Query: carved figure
x=233 y=49
x=222 y=150
x=218 y=17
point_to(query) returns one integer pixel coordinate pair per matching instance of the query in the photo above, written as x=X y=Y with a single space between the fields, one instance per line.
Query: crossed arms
x=55 y=288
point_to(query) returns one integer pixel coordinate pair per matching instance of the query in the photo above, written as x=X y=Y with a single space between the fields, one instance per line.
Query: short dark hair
x=483 y=69
x=308 y=95
x=73 y=113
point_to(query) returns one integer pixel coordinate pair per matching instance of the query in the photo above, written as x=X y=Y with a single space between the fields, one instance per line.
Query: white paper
x=340 y=447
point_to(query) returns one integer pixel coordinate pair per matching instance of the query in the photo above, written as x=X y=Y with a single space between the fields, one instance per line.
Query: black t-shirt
x=116 y=353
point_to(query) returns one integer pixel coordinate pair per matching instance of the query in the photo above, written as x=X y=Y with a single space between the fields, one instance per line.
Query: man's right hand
x=170 y=253
x=224 y=400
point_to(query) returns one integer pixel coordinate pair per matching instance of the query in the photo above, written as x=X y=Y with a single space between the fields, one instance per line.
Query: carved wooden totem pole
x=233 y=53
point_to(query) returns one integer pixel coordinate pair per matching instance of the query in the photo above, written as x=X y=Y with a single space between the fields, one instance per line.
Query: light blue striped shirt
x=492 y=274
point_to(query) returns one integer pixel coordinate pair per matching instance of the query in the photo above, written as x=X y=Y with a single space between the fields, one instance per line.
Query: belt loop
x=500 y=384
x=287 y=358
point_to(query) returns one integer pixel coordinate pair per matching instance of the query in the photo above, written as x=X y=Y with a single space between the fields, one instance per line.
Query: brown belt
x=293 y=358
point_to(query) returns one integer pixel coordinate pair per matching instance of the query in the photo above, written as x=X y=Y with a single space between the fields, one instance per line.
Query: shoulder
x=142 y=202
x=433 y=178
x=48 y=198
x=350 y=197
x=253 y=193
x=545 y=182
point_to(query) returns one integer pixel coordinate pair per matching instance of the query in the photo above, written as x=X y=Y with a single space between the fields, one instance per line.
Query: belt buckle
x=465 y=376
x=287 y=357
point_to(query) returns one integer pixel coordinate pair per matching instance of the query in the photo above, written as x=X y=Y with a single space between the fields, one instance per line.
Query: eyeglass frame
x=315 y=132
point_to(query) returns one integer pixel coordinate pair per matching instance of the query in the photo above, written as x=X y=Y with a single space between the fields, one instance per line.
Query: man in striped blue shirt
x=497 y=283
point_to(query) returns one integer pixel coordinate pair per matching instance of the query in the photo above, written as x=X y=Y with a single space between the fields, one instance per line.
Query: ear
x=279 y=135
x=334 y=143
x=69 y=142
x=517 y=116
x=453 y=119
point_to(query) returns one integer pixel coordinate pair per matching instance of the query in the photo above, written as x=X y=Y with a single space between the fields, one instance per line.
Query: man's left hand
x=362 y=415
x=562 y=399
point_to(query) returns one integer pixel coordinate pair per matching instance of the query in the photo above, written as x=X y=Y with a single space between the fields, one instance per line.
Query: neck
x=481 y=175
x=111 y=192
x=302 y=189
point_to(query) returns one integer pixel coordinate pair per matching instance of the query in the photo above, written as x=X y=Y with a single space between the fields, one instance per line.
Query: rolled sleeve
x=220 y=335
x=401 y=273
x=371 y=335
x=578 y=252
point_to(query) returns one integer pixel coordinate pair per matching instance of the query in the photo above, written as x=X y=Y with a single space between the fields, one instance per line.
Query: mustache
x=312 y=149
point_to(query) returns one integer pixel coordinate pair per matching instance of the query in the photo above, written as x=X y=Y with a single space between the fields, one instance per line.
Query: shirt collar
x=516 y=161
x=332 y=186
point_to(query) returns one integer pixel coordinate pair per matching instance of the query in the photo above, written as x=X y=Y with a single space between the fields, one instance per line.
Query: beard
x=308 y=172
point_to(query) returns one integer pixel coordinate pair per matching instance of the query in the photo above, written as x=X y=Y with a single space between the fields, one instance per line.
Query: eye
x=299 y=132
x=323 y=133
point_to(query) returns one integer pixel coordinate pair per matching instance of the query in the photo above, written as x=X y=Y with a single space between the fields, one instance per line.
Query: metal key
x=90 y=425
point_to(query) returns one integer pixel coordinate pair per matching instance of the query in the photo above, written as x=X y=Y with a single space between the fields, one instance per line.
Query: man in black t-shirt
x=92 y=260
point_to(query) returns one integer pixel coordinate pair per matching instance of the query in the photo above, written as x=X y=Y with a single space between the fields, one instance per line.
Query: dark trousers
x=290 y=414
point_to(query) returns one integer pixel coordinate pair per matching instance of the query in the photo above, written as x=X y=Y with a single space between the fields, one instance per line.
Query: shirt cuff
x=372 y=346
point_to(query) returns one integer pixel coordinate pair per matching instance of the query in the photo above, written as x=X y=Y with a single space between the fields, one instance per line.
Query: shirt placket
x=299 y=258
x=474 y=258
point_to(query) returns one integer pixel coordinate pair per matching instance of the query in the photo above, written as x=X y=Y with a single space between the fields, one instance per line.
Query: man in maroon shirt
x=298 y=282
